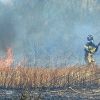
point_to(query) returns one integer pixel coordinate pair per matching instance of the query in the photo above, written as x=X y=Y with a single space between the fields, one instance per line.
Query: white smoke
x=6 y=1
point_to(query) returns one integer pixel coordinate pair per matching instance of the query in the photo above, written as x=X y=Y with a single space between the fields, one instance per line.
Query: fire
x=6 y=62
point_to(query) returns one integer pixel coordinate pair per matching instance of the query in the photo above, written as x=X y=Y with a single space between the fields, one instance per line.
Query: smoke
x=50 y=26
x=7 y=28
x=6 y=1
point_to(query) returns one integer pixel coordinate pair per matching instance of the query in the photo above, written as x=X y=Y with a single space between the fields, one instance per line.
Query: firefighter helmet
x=90 y=38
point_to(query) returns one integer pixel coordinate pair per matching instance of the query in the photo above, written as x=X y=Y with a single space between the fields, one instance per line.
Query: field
x=40 y=83
x=73 y=83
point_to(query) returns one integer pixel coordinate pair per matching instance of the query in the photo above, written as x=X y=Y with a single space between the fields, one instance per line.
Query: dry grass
x=37 y=77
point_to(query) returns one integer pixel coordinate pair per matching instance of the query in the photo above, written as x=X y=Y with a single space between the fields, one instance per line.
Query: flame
x=6 y=62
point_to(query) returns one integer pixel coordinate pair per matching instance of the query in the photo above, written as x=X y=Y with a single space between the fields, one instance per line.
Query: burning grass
x=20 y=77
x=45 y=77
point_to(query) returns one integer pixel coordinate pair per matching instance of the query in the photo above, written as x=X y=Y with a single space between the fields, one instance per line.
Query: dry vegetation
x=22 y=77
x=40 y=82
x=46 y=77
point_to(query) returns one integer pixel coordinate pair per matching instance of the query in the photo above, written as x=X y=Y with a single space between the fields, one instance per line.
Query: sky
x=47 y=29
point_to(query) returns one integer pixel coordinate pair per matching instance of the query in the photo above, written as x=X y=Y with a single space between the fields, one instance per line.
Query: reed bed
x=46 y=77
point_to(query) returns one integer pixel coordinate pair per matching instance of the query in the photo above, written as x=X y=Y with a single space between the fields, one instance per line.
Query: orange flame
x=6 y=62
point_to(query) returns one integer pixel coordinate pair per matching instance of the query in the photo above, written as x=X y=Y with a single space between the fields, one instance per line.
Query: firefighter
x=90 y=48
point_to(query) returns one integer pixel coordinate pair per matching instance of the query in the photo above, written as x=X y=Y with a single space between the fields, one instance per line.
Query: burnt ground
x=68 y=93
